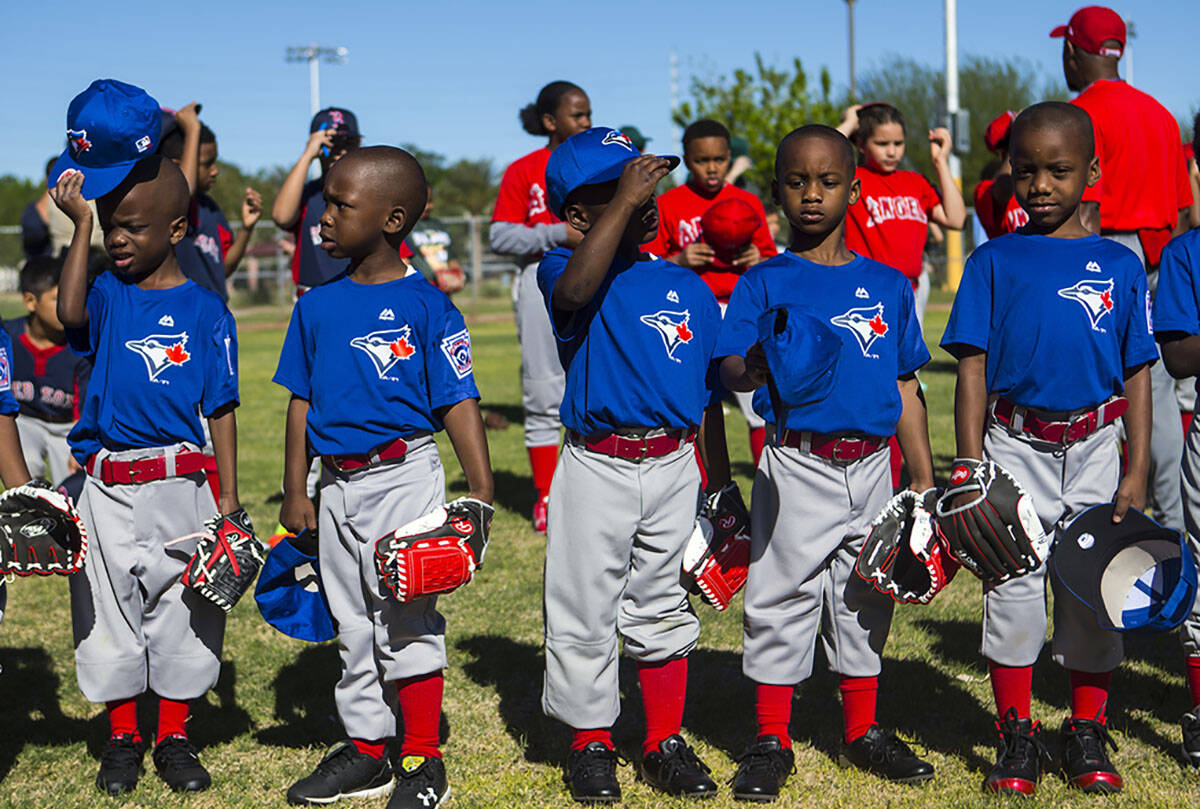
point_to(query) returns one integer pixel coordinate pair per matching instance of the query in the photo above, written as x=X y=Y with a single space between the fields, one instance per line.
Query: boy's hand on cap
x=696 y=255
x=251 y=208
x=757 y=369
x=188 y=118
x=939 y=144
x=67 y=195
x=321 y=139
x=297 y=513
x=1131 y=493
x=640 y=177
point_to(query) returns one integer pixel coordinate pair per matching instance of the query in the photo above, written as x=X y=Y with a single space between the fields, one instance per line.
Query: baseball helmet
x=1136 y=575
x=802 y=353
x=729 y=226
x=289 y=592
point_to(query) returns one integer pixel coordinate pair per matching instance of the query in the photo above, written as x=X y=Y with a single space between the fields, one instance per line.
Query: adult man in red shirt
x=1141 y=200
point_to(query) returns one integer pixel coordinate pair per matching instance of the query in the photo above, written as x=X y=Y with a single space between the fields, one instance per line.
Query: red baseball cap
x=728 y=227
x=1091 y=27
x=997 y=131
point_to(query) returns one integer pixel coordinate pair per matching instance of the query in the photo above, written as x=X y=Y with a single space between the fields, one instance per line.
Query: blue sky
x=450 y=76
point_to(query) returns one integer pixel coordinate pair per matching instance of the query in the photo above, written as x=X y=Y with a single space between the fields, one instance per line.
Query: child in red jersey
x=995 y=204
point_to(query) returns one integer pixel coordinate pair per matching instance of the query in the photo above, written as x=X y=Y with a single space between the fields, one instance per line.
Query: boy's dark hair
x=704 y=128
x=819 y=131
x=547 y=104
x=1056 y=115
x=874 y=115
x=40 y=274
x=172 y=143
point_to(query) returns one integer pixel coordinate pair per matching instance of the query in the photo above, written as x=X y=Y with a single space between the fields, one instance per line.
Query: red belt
x=634 y=448
x=1026 y=420
x=388 y=452
x=841 y=448
x=145 y=470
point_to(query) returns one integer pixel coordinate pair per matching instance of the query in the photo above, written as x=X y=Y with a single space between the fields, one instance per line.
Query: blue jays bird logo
x=619 y=139
x=160 y=352
x=672 y=327
x=1096 y=298
x=867 y=325
x=386 y=348
x=77 y=139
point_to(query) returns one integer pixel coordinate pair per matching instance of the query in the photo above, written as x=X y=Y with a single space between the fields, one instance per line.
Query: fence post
x=476 y=258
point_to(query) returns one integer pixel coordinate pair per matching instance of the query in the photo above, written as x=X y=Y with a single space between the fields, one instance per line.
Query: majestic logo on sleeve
x=672 y=327
x=457 y=348
x=386 y=348
x=161 y=352
x=867 y=325
x=1096 y=298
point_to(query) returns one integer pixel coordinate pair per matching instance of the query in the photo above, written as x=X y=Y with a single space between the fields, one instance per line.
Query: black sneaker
x=1021 y=757
x=675 y=769
x=177 y=763
x=420 y=783
x=120 y=764
x=883 y=753
x=1191 y=737
x=592 y=774
x=763 y=770
x=1084 y=758
x=343 y=773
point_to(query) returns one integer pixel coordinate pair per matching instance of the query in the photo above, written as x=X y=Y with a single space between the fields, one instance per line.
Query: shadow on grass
x=304 y=709
x=31 y=714
x=217 y=724
x=513 y=492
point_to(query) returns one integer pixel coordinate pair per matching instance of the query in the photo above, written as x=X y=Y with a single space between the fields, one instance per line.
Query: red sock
x=122 y=717
x=858 y=704
x=664 y=689
x=172 y=718
x=897 y=461
x=773 y=711
x=758 y=437
x=542 y=461
x=1193 y=678
x=1011 y=686
x=421 y=709
x=375 y=748
x=1089 y=694
x=585 y=737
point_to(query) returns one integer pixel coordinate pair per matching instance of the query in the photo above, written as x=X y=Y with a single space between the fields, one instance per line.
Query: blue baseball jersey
x=312 y=266
x=1177 y=301
x=1061 y=320
x=869 y=305
x=161 y=358
x=640 y=354
x=201 y=253
x=375 y=361
x=8 y=403
x=49 y=383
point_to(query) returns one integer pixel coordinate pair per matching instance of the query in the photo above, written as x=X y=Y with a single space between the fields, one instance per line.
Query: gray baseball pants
x=542 y=377
x=380 y=640
x=808 y=519
x=44 y=444
x=614 y=547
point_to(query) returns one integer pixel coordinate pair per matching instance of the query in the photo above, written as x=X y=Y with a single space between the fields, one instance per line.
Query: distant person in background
x=524 y=227
x=433 y=251
x=635 y=136
x=740 y=163
x=35 y=221
x=995 y=204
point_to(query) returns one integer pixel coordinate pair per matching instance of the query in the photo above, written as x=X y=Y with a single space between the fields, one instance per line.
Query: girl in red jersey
x=524 y=227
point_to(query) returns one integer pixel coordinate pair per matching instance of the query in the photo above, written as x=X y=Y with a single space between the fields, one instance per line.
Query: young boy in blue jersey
x=636 y=337
x=824 y=474
x=1051 y=329
x=164 y=354
x=377 y=361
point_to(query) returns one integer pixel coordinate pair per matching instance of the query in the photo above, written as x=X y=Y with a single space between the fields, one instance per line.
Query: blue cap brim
x=611 y=173
x=96 y=181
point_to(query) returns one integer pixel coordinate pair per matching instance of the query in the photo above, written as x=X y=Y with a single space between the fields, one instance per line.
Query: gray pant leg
x=808 y=521
x=33 y=446
x=379 y=639
x=542 y=377
x=744 y=401
x=1190 y=634
x=614 y=545
x=924 y=284
x=136 y=626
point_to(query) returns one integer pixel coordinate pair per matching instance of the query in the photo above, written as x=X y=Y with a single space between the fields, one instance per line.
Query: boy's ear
x=396 y=220
x=855 y=190
x=1093 y=171
x=30 y=300
x=577 y=217
x=179 y=227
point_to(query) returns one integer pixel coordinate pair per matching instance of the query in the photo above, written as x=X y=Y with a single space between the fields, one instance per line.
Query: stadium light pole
x=313 y=54
x=850 y=36
x=954 y=241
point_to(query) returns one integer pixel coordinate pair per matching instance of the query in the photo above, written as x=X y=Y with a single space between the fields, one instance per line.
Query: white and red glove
x=717 y=556
x=437 y=553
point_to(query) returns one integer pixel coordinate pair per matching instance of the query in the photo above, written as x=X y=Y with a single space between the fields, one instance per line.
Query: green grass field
x=270 y=716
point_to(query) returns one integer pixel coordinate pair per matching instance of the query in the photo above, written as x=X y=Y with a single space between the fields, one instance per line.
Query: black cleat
x=883 y=753
x=675 y=769
x=120 y=764
x=343 y=773
x=1022 y=756
x=592 y=774
x=1085 y=760
x=178 y=765
x=1190 y=723
x=420 y=783
x=763 y=770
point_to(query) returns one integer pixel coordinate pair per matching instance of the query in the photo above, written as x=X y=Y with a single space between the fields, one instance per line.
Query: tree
x=761 y=107
x=464 y=187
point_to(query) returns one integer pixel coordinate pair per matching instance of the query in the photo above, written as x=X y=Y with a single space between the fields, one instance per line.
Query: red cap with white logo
x=1091 y=27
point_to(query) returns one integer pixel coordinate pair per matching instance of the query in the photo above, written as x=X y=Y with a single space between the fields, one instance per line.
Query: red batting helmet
x=728 y=227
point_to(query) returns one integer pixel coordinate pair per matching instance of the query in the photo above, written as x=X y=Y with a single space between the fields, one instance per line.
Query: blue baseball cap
x=593 y=156
x=110 y=126
x=1135 y=575
x=289 y=593
x=802 y=352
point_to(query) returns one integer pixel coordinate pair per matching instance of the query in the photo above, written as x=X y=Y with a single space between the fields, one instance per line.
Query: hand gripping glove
x=40 y=532
x=227 y=558
x=903 y=556
x=437 y=553
x=717 y=556
x=997 y=535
